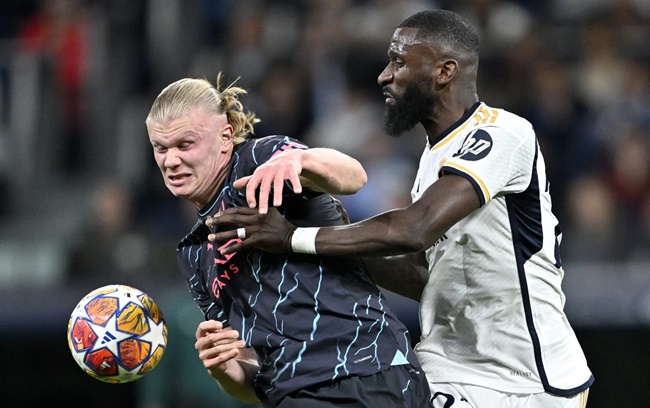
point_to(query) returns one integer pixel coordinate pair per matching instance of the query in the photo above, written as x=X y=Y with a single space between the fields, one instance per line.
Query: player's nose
x=172 y=158
x=385 y=77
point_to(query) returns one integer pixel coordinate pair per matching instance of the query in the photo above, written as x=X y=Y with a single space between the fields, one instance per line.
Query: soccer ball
x=117 y=334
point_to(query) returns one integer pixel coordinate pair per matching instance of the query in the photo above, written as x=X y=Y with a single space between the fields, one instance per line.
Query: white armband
x=303 y=240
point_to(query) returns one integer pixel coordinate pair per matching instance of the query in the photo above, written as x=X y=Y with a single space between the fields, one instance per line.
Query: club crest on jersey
x=476 y=146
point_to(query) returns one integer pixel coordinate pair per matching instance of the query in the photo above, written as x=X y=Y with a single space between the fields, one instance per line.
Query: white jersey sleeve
x=497 y=160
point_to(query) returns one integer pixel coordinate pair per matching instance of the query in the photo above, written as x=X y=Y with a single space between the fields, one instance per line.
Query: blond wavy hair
x=179 y=97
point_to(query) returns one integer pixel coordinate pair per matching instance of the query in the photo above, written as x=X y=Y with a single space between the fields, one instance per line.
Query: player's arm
x=331 y=171
x=317 y=169
x=227 y=359
x=409 y=229
x=405 y=274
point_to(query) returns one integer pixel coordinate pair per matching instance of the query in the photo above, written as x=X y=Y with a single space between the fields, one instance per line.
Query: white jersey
x=492 y=312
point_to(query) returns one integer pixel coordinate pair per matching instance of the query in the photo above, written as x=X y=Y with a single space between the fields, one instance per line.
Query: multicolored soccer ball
x=117 y=334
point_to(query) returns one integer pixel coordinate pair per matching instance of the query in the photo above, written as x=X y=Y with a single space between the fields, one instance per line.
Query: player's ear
x=227 y=136
x=446 y=71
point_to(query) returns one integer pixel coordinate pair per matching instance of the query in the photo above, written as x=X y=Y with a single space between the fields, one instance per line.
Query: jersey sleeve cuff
x=481 y=189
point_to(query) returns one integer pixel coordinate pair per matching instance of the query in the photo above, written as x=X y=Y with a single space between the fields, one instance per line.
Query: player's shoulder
x=506 y=119
x=261 y=148
x=275 y=140
x=503 y=122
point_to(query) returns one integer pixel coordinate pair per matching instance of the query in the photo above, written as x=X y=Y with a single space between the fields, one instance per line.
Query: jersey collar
x=460 y=123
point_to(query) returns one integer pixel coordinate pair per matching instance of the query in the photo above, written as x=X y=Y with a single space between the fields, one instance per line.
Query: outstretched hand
x=270 y=232
x=269 y=178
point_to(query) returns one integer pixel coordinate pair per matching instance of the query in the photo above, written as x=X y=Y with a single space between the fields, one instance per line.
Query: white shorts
x=470 y=396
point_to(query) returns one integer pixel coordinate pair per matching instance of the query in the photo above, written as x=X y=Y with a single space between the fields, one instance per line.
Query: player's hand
x=271 y=176
x=217 y=346
x=270 y=232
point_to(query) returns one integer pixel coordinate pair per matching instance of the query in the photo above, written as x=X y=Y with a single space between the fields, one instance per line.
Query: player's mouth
x=389 y=97
x=178 y=179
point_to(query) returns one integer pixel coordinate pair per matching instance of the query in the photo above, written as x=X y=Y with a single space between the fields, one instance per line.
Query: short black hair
x=446 y=28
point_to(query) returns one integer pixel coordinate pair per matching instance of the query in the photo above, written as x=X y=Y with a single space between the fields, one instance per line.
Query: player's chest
x=223 y=273
x=431 y=162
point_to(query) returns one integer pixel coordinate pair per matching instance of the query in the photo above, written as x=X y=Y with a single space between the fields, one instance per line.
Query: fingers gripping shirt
x=311 y=319
x=492 y=312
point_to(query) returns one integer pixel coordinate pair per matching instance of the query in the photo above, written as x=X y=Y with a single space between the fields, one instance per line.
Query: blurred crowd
x=77 y=78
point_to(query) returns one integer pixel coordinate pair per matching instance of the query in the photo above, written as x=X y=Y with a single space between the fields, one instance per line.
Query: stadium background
x=82 y=204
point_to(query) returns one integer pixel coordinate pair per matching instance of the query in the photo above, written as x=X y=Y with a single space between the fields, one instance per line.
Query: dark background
x=82 y=204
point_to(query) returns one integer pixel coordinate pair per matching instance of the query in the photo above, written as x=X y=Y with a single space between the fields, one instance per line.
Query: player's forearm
x=390 y=233
x=400 y=231
x=332 y=171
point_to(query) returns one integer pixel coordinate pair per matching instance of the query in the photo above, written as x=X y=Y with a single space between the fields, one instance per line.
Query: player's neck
x=445 y=115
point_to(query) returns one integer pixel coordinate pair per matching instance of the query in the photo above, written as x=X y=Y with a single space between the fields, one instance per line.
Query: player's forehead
x=403 y=40
x=195 y=121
